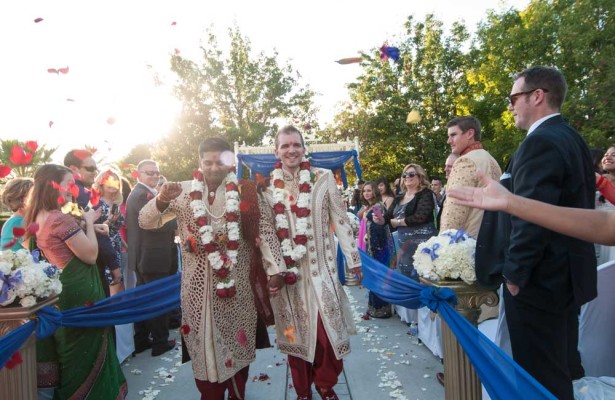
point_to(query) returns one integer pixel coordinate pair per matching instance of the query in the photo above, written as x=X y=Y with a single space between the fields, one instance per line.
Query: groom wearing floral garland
x=312 y=313
x=225 y=307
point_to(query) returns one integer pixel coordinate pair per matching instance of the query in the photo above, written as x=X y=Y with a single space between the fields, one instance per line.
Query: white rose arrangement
x=448 y=255
x=24 y=277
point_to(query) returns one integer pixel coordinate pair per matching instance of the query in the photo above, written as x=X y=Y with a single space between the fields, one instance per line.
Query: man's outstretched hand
x=169 y=191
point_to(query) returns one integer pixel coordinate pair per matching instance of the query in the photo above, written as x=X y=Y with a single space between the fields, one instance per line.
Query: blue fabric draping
x=133 y=305
x=10 y=343
x=502 y=377
x=341 y=265
x=263 y=163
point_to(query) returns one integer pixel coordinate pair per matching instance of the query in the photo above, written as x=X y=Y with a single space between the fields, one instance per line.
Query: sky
x=114 y=48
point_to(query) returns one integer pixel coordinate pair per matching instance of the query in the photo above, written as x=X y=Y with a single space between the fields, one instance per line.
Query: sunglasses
x=90 y=169
x=151 y=173
x=512 y=98
x=409 y=174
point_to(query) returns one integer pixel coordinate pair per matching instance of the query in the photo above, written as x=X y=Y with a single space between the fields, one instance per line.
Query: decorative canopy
x=260 y=160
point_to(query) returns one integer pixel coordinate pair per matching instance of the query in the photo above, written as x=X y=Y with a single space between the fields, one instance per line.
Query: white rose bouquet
x=448 y=255
x=24 y=277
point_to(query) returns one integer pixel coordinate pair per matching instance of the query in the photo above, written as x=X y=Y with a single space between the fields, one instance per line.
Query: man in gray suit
x=150 y=255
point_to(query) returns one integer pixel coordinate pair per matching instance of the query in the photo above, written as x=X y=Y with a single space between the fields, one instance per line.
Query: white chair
x=597 y=326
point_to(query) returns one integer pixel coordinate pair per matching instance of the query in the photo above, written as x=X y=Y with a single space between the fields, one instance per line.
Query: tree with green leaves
x=429 y=77
x=238 y=95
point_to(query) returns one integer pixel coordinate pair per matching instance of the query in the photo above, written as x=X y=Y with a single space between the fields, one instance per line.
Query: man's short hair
x=213 y=144
x=288 y=129
x=466 y=122
x=436 y=178
x=146 y=162
x=549 y=79
x=70 y=159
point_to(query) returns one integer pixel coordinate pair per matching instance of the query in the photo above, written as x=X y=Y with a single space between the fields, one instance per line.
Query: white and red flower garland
x=301 y=210
x=221 y=250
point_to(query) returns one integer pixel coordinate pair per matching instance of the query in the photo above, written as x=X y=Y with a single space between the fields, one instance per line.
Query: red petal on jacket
x=173 y=23
x=4 y=170
x=37 y=20
x=18 y=231
x=32 y=145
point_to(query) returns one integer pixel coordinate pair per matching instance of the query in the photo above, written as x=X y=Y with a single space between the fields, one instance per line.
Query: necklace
x=301 y=210
x=221 y=249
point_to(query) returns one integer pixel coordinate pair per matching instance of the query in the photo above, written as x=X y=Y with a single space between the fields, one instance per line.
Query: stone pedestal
x=460 y=379
x=20 y=382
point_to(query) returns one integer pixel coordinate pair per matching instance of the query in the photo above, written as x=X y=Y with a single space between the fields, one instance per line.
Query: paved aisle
x=385 y=363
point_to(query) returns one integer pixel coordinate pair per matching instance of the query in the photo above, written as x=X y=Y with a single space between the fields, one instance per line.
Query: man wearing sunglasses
x=464 y=137
x=547 y=276
x=150 y=255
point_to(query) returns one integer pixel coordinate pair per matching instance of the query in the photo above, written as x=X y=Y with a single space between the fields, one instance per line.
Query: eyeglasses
x=409 y=174
x=151 y=173
x=90 y=169
x=512 y=98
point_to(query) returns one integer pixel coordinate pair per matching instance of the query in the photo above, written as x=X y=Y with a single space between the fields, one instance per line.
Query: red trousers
x=236 y=387
x=323 y=372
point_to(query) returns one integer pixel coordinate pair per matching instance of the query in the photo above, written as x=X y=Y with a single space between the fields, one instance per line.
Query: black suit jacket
x=149 y=251
x=553 y=165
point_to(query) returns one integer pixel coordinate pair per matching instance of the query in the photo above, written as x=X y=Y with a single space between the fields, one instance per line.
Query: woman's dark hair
x=44 y=196
x=597 y=155
x=388 y=191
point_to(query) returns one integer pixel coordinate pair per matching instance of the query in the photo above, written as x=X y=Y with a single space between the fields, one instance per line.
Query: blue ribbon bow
x=432 y=251
x=432 y=296
x=8 y=283
x=461 y=235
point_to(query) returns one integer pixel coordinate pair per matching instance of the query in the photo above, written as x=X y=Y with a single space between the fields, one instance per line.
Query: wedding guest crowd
x=274 y=261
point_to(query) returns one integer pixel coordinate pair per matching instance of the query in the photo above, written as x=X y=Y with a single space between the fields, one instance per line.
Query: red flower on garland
x=232 y=245
x=196 y=196
x=278 y=208
x=231 y=186
x=290 y=278
x=283 y=233
x=198 y=175
x=304 y=188
x=232 y=217
x=201 y=221
x=301 y=239
x=279 y=184
x=222 y=273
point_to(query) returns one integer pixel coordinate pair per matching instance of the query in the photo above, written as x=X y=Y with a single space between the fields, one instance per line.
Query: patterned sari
x=88 y=365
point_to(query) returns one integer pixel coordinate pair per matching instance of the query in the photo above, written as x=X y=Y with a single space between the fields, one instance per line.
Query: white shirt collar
x=154 y=191
x=540 y=121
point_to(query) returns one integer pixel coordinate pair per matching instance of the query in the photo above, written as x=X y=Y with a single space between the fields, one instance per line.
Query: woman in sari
x=378 y=243
x=88 y=366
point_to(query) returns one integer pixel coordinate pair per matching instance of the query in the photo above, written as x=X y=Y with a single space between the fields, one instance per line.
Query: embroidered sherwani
x=221 y=340
x=317 y=290
x=455 y=216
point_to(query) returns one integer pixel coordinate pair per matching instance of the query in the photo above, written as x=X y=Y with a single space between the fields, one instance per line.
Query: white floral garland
x=281 y=196
x=217 y=260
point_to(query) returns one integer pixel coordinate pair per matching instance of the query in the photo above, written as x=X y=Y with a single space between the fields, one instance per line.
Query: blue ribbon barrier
x=133 y=305
x=502 y=377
